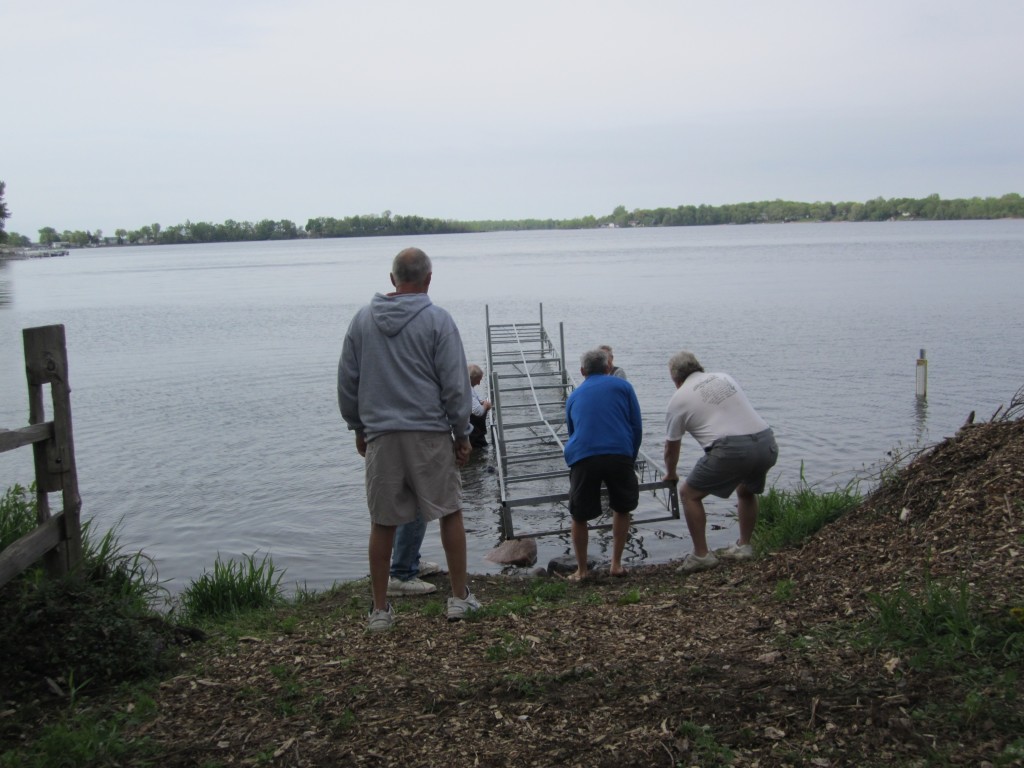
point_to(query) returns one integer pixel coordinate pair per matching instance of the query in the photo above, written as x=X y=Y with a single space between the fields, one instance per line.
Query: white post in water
x=922 y=377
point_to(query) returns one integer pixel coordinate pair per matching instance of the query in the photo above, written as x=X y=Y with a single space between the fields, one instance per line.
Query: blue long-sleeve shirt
x=603 y=418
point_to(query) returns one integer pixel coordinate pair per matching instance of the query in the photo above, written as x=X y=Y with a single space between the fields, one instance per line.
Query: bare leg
x=620 y=529
x=746 y=511
x=381 y=539
x=453 y=539
x=696 y=518
x=580 y=540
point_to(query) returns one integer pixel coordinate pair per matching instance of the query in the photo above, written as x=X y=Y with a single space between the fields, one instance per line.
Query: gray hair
x=594 y=361
x=411 y=266
x=682 y=364
x=476 y=372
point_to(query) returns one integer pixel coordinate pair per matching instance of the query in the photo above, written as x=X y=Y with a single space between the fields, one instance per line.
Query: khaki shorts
x=406 y=471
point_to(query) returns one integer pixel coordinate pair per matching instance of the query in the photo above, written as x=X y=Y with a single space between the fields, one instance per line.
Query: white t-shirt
x=710 y=406
x=478 y=404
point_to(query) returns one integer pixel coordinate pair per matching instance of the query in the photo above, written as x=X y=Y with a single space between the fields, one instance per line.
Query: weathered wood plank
x=20 y=555
x=16 y=438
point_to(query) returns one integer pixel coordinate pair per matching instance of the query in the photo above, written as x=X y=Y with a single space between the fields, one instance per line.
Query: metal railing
x=529 y=385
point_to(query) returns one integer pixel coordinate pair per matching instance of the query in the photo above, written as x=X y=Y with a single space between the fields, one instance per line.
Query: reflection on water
x=5 y=283
x=920 y=419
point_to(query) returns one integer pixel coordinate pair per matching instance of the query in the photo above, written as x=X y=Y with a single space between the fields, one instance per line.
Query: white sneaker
x=414 y=586
x=428 y=569
x=381 y=621
x=736 y=551
x=459 y=608
x=692 y=563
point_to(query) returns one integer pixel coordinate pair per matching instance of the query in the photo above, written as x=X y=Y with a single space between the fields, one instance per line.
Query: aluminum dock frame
x=529 y=384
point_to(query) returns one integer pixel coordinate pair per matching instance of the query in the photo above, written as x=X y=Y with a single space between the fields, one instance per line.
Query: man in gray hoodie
x=403 y=388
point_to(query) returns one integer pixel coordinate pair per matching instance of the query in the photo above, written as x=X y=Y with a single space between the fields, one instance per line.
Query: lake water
x=203 y=377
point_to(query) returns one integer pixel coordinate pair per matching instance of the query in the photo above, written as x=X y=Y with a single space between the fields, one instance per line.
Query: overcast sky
x=120 y=113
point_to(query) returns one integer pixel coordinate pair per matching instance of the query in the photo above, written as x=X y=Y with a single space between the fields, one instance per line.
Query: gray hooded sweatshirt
x=403 y=369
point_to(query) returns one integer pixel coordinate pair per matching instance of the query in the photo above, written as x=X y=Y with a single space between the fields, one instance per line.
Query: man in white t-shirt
x=478 y=415
x=739 y=449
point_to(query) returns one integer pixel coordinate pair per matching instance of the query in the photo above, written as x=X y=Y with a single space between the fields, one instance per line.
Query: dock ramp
x=529 y=383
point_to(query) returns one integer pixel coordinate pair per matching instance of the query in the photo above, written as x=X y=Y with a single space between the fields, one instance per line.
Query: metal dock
x=529 y=384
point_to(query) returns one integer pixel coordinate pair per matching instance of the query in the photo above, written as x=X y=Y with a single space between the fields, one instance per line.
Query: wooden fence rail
x=58 y=538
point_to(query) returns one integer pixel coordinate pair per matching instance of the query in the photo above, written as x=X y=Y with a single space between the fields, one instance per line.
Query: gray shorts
x=406 y=471
x=730 y=461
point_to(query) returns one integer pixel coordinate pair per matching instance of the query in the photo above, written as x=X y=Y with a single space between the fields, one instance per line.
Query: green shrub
x=91 y=629
x=76 y=633
x=17 y=513
x=131 y=575
x=233 y=587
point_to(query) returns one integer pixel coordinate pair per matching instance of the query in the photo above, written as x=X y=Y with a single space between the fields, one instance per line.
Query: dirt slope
x=751 y=664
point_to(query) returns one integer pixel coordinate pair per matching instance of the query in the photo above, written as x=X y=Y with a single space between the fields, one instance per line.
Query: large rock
x=566 y=564
x=521 y=552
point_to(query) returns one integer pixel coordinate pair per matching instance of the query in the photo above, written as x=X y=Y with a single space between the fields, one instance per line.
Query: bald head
x=411 y=270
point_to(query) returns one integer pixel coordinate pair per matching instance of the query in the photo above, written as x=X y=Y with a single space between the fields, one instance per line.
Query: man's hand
x=462 y=450
x=486 y=404
x=361 y=444
x=671 y=460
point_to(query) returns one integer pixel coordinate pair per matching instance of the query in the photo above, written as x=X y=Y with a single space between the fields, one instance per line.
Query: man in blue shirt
x=605 y=431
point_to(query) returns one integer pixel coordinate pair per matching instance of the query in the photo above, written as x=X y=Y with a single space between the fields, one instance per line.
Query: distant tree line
x=385 y=224
x=931 y=208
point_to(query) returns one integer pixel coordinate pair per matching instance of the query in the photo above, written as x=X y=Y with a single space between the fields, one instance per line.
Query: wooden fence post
x=46 y=362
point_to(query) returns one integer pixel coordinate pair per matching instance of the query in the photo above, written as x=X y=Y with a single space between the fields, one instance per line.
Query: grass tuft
x=131 y=576
x=537 y=594
x=942 y=627
x=790 y=517
x=699 y=742
x=631 y=597
x=232 y=587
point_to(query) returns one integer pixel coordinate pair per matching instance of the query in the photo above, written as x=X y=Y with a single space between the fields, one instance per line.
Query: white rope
x=533 y=390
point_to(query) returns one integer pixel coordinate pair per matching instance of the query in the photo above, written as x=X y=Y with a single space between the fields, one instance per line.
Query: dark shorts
x=617 y=473
x=478 y=437
x=730 y=461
